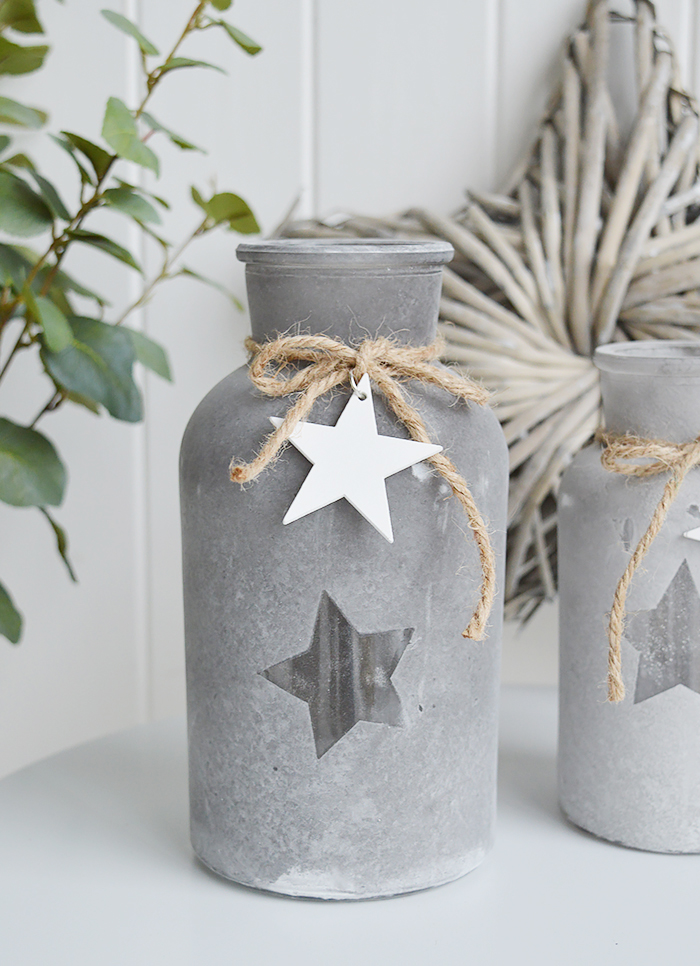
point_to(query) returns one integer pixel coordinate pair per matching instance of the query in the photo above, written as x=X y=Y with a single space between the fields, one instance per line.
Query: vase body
x=342 y=732
x=630 y=772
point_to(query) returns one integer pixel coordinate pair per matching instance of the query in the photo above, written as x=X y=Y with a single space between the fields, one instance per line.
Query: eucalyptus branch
x=168 y=262
x=59 y=245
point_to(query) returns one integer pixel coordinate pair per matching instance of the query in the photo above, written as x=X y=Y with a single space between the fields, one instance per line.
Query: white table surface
x=96 y=870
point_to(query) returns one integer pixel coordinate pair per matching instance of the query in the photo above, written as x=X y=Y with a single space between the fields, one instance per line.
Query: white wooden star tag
x=351 y=461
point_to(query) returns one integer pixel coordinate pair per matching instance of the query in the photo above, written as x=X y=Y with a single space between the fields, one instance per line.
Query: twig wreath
x=594 y=239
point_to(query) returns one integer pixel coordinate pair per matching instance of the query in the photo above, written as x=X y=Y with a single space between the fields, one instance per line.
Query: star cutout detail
x=693 y=534
x=344 y=676
x=352 y=461
x=668 y=639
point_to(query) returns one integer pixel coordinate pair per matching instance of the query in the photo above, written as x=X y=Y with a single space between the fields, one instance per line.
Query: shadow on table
x=527 y=783
x=128 y=789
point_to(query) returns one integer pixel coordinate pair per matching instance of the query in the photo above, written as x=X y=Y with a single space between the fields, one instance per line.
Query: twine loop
x=326 y=364
x=674 y=458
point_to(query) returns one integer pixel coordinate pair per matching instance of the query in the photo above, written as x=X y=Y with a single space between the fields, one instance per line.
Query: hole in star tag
x=358 y=392
x=625 y=529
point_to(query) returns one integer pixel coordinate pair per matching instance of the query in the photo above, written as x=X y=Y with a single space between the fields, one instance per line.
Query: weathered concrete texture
x=631 y=772
x=397 y=803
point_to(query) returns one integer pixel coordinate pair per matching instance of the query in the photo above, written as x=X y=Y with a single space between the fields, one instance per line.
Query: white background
x=369 y=105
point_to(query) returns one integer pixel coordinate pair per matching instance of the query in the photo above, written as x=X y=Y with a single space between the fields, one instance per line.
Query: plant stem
x=156 y=74
x=53 y=403
x=164 y=273
x=18 y=345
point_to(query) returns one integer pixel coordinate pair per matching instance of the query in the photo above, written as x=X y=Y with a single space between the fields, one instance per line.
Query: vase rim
x=650 y=357
x=345 y=252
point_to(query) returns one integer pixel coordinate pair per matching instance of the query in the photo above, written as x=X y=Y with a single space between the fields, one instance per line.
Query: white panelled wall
x=370 y=106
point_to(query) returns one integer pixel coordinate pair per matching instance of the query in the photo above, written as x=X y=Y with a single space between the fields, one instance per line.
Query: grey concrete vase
x=342 y=732
x=630 y=772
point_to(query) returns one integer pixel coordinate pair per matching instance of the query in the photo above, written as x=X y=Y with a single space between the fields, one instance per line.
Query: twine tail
x=244 y=472
x=616 y=687
x=476 y=629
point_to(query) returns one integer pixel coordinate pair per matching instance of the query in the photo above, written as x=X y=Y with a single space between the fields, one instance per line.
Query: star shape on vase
x=352 y=461
x=668 y=639
x=344 y=676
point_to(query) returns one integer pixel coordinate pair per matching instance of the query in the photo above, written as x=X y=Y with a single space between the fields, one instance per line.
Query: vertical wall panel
x=405 y=103
x=531 y=38
x=677 y=18
x=249 y=122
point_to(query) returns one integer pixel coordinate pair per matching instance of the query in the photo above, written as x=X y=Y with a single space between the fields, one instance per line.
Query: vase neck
x=651 y=389
x=348 y=289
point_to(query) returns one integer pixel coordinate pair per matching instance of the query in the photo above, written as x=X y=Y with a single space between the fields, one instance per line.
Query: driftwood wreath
x=593 y=240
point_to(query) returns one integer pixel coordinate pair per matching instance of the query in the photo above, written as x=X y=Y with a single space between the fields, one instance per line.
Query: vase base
x=296 y=885
x=644 y=842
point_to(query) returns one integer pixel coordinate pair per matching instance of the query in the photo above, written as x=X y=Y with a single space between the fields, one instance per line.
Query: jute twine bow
x=275 y=371
x=674 y=458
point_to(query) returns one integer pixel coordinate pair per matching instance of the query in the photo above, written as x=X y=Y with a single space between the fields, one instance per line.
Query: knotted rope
x=274 y=371
x=674 y=458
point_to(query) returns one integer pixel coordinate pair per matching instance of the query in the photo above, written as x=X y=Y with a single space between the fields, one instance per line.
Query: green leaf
x=97 y=156
x=14 y=266
x=137 y=188
x=190 y=273
x=106 y=245
x=31 y=472
x=175 y=138
x=22 y=211
x=51 y=196
x=5 y=142
x=21 y=16
x=131 y=203
x=62 y=281
x=15 y=59
x=177 y=63
x=63 y=142
x=221 y=4
x=79 y=400
x=19 y=161
x=127 y=27
x=150 y=354
x=12 y=112
x=237 y=36
x=120 y=132
x=226 y=207
x=57 y=332
x=198 y=200
x=10 y=618
x=98 y=365
x=67 y=283
x=61 y=543
x=164 y=244
x=60 y=299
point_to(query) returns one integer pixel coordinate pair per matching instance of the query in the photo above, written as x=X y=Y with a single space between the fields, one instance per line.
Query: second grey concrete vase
x=630 y=772
x=342 y=732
